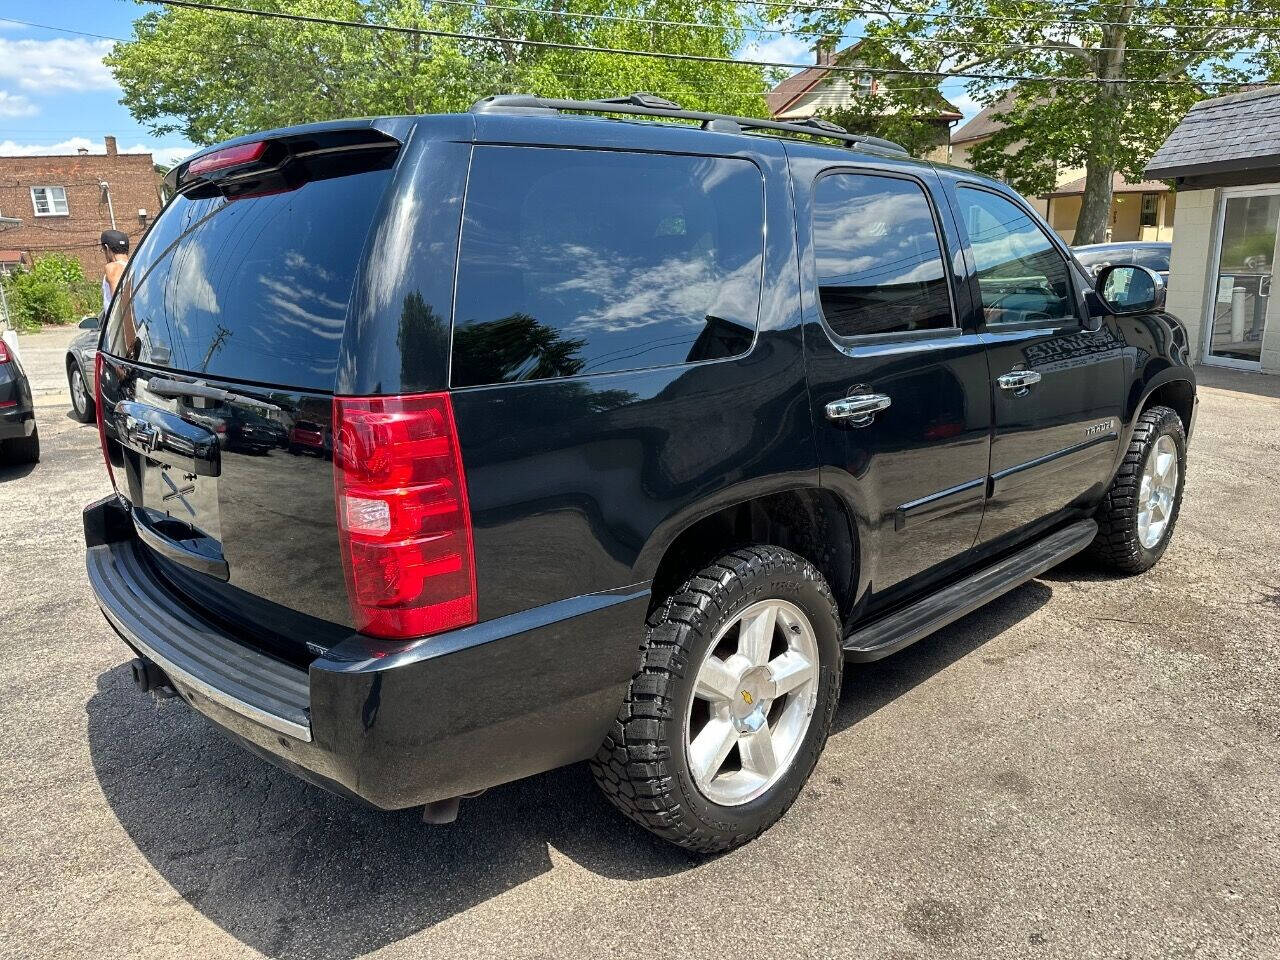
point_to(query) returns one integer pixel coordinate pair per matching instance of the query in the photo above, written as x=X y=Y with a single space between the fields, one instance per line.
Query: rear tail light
x=403 y=517
x=101 y=414
x=4 y=352
x=227 y=157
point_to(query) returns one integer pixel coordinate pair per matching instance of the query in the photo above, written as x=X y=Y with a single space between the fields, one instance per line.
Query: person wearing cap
x=115 y=245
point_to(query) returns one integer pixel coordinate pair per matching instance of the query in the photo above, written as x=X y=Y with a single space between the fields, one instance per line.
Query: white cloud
x=165 y=155
x=16 y=105
x=60 y=64
x=780 y=49
x=965 y=104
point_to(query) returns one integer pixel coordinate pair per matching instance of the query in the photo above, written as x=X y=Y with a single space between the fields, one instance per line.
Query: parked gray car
x=80 y=358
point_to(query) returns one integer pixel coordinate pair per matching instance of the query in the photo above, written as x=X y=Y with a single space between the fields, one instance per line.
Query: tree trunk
x=1100 y=168
x=1095 y=205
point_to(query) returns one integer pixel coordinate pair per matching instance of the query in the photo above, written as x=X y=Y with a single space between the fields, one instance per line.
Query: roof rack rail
x=650 y=105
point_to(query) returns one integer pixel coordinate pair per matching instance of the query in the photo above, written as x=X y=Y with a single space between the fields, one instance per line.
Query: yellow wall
x=1126 y=218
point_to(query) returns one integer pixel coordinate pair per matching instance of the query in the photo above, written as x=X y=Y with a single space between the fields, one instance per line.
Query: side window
x=1022 y=276
x=578 y=261
x=879 y=261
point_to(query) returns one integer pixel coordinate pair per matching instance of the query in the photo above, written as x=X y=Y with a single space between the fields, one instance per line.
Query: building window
x=49 y=201
x=1150 y=209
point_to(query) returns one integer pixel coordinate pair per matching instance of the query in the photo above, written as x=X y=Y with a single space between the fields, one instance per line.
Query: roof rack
x=650 y=105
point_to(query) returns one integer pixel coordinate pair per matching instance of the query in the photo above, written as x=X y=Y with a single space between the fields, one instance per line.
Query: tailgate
x=221 y=353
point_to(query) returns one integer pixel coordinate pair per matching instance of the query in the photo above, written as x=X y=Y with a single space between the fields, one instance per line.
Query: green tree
x=1123 y=75
x=53 y=290
x=210 y=76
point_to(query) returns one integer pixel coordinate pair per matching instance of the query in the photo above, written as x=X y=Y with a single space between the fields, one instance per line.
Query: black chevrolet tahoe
x=641 y=431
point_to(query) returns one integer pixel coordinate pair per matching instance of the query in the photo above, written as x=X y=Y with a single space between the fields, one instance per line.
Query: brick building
x=65 y=202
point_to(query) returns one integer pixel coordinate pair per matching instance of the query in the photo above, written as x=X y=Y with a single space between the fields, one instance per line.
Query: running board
x=904 y=627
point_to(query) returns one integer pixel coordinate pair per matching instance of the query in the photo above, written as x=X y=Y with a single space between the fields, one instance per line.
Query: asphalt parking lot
x=1089 y=767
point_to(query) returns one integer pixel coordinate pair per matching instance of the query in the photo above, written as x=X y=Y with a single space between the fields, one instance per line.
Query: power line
x=620 y=18
x=658 y=55
x=45 y=26
x=925 y=14
x=801 y=33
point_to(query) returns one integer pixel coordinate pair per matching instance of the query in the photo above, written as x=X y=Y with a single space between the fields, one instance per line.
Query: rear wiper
x=163 y=387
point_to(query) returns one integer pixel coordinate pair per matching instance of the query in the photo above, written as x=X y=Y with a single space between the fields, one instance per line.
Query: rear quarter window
x=577 y=262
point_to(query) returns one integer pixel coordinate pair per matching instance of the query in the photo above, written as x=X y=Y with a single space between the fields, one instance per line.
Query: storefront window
x=1243 y=288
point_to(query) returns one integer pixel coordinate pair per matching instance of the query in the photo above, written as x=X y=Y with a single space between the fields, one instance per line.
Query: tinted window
x=1021 y=275
x=576 y=261
x=253 y=289
x=879 y=262
x=1093 y=259
x=1153 y=258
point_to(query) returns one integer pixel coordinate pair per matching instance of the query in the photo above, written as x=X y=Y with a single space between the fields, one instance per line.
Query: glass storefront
x=1246 y=258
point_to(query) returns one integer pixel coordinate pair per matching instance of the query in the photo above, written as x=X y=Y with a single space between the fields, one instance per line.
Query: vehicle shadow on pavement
x=16 y=471
x=292 y=871
x=869 y=687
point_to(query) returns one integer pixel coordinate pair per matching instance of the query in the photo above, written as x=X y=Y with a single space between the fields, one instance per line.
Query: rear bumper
x=16 y=422
x=394 y=726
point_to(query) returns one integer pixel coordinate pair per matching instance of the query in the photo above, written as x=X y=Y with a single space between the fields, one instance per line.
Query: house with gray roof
x=1224 y=159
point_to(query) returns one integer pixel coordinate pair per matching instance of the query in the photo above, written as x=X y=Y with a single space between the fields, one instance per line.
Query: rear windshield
x=253 y=289
x=1095 y=258
x=1153 y=258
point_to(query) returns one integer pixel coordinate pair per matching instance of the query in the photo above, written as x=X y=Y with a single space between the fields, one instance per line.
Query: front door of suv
x=897 y=376
x=1057 y=386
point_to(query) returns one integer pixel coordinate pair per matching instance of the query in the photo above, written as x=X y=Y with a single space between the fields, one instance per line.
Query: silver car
x=81 y=353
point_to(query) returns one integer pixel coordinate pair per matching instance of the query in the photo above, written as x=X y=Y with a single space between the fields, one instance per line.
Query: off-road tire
x=87 y=415
x=1117 y=545
x=21 y=449
x=641 y=765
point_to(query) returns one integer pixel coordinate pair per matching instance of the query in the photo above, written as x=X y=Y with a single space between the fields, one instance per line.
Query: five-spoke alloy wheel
x=1138 y=513
x=759 y=699
x=725 y=719
x=1157 y=491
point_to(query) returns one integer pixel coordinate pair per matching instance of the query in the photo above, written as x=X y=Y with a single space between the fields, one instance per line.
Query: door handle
x=858 y=410
x=1019 y=381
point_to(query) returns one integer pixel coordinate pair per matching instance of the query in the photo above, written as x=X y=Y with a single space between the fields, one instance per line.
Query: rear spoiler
x=237 y=160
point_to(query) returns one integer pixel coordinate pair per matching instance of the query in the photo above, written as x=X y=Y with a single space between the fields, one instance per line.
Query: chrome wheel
x=79 y=395
x=753 y=700
x=1157 y=490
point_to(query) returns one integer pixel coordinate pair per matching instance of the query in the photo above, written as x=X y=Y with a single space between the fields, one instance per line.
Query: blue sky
x=55 y=94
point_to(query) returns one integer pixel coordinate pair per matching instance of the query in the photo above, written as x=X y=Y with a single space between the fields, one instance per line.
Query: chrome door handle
x=1018 y=380
x=858 y=410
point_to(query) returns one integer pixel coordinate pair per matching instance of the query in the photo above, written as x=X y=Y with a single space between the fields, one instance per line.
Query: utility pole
x=219 y=338
x=106 y=195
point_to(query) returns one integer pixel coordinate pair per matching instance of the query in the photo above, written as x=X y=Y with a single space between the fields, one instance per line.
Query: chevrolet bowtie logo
x=178 y=492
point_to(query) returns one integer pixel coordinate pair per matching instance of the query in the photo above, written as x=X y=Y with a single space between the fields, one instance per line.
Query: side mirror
x=90 y=323
x=1129 y=288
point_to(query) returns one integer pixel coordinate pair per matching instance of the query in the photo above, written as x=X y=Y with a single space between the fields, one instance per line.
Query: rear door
x=1056 y=386
x=898 y=377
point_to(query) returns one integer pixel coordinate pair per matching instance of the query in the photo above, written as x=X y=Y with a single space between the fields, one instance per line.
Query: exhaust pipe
x=446 y=811
x=149 y=678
